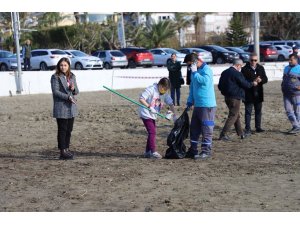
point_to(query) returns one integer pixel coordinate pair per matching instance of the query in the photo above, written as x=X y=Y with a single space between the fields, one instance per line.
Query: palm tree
x=181 y=21
x=158 y=33
x=198 y=20
x=50 y=19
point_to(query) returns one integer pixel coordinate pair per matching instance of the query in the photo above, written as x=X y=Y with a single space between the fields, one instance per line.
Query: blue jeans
x=292 y=108
x=177 y=90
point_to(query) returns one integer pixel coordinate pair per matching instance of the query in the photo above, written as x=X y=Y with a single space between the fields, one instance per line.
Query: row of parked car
x=131 y=57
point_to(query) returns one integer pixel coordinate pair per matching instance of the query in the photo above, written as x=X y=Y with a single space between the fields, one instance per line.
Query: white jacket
x=152 y=96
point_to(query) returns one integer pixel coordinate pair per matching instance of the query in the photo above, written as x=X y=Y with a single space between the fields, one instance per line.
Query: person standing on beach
x=64 y=88
x=290 y=87
x=232 y=84
x=175 y=78
x=202 y=97
x=254 y=96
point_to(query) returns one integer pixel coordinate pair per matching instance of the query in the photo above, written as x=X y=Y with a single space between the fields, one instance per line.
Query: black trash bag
x=179 y=133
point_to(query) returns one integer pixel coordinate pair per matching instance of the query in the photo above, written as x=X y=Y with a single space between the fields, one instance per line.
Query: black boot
x=65 y=155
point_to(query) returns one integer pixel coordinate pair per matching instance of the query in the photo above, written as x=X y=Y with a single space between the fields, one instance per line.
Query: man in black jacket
x=255 y=95
x=232 y=84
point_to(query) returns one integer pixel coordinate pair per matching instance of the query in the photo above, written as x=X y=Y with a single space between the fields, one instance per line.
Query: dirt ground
x=261 y=173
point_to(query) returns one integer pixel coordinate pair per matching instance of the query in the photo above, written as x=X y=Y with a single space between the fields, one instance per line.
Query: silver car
x=112 y=58
x=283 y=52
x=8 y=61
x=81 y=60
x=44 y=59
x=163 y=55
x=205 y=55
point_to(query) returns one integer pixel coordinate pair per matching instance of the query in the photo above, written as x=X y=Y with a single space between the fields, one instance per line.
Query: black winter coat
x=232 y=84
x=175 y=73
x=188 y=75
x=254 y=94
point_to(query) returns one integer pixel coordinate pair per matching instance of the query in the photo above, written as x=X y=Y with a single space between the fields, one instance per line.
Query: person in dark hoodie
x=232 y=84
x=254 y=96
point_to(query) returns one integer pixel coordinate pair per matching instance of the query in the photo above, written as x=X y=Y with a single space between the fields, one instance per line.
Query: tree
x=181 y=21
x=198 y=20
x=236 y=36
x=159 y=33
x=49 y=19
x=282 y=25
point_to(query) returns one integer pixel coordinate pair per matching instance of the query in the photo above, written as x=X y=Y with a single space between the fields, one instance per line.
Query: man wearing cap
x=202 y=97
x=232 y=84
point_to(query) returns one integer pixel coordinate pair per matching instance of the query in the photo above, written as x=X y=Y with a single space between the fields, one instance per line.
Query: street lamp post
x=16 y=29
x=256 y=34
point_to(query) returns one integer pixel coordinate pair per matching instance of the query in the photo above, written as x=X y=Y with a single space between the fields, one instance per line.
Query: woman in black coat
x=175 y=78
x=255 y=95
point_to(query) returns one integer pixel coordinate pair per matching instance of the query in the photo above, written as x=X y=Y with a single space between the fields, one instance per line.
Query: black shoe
x=191 y=154
x=65 y=155
x=247 y=133
x=294 y=130
x=69 y=152
x=224 y=137
x=259 y=130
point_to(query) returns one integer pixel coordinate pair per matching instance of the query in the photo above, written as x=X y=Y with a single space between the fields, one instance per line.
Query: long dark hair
x=58 y=71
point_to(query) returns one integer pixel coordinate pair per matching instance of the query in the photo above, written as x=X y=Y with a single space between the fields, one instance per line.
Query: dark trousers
x=26 y=64
x=65 y=127
x=233 y=116
x=177 y=90
x=202 y=123
x=248 y=112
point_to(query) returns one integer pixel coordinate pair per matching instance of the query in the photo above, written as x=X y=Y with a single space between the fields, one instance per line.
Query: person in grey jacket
x=64 y=88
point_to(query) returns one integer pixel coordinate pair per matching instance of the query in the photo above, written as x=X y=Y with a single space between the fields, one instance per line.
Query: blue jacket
x=232 y=84
x=291 y=80
x=202 y=93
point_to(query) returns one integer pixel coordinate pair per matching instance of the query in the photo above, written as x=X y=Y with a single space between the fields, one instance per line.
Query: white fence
x=37 y=82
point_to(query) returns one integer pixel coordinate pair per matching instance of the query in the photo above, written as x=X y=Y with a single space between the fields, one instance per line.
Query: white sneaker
x=147 y=154
x=156 y=155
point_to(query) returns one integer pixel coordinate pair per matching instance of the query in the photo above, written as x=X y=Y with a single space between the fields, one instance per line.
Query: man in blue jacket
x=232 y=84
x=202 y=96
x=291 y=92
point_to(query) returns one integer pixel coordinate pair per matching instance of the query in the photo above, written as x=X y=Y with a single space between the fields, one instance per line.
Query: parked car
x=220 y=55
x=163 y=55
x=268 y=52
x=283 y=52
x=44 y=59
x=206 y=56
x=290 y=43
x=137 y=56
x=245 y=56
x=8 y=61
x=81 y=60
x=112 y=58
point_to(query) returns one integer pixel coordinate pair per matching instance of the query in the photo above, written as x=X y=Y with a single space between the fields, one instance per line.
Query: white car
x=44 y=59
x=163 y=55
x=205 y=55
x=81 y=60
x=283 y=52
x=112 y=58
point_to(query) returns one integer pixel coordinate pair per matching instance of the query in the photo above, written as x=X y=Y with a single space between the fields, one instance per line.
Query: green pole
x=134 y=102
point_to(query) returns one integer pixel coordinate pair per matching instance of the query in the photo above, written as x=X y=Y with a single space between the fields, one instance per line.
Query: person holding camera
x=175 y=78
x=64 y=88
